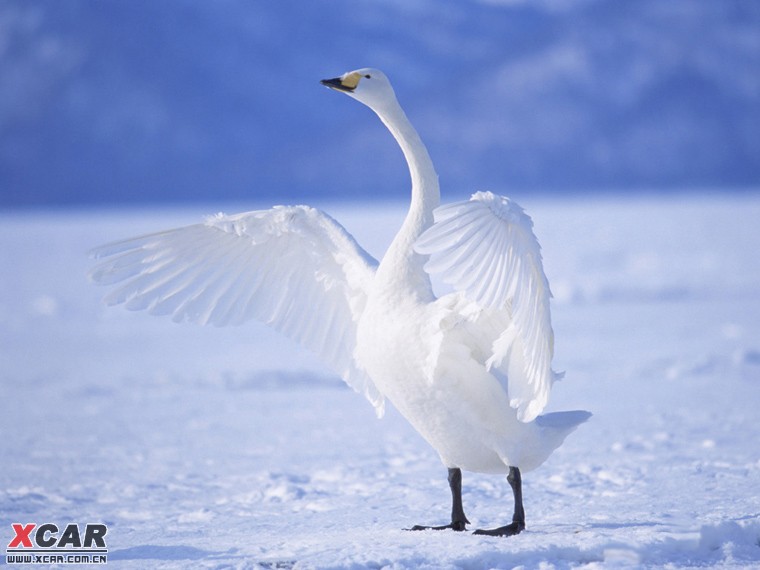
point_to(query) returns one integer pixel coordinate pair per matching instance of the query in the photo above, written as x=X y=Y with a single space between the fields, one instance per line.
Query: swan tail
x=555 y=427
x=563 y=420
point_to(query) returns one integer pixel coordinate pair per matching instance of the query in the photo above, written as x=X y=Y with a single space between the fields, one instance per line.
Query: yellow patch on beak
x=351 y=80
x=346 y=83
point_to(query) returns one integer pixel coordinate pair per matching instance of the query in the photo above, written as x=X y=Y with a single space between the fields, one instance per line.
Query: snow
x=233 y=448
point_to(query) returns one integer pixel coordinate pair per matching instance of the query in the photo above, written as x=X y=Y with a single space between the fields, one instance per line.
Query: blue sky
x=136 y=101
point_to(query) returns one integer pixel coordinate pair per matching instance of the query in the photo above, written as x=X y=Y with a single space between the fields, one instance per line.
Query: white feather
x=294 y=268
x=485 y=248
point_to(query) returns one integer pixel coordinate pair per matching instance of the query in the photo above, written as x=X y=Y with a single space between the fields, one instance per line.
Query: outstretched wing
x=292 y=267
x=486 y=249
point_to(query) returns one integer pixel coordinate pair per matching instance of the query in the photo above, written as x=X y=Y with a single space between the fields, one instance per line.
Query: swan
x=471 y=370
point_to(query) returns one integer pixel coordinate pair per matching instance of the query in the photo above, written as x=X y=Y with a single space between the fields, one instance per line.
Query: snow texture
x=231 y=447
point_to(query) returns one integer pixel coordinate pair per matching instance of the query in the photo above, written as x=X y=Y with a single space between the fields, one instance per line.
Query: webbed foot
x=454 y=525
x=509 y=530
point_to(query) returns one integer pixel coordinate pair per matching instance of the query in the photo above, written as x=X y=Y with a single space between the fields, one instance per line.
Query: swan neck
x=402 y=268
x=425 y=190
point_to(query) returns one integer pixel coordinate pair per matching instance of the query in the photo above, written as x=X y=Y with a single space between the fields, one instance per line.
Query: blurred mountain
x=112 y=101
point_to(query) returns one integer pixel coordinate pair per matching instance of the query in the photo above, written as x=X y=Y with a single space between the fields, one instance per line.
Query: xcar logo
x=47 y=544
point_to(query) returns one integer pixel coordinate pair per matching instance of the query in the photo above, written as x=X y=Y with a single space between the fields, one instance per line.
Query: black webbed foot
x=509 y=530
x=454 y=525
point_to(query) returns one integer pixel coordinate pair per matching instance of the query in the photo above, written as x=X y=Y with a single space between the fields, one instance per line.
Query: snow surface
x=233 y=448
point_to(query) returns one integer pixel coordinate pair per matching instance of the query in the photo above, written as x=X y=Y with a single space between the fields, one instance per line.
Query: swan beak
x=337 y=84
x=346 y=83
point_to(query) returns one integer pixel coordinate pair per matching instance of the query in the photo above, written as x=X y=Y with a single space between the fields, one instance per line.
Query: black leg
x=458 y=519
x=518 y=519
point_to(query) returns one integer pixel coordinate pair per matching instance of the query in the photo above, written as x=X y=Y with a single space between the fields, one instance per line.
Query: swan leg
x=458 y=518
x=518 y=519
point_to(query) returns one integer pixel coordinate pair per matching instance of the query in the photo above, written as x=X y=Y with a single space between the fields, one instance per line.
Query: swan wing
x=485 y=248
x=291 y=267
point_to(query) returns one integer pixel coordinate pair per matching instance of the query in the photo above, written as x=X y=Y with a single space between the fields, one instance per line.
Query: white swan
x=471 y=371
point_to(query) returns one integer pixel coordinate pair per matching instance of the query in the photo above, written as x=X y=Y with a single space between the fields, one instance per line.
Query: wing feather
x=294 y=268
x=451 y=257
x=485 y=248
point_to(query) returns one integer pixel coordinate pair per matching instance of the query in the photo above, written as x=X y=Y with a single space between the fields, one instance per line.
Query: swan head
x=367 y=85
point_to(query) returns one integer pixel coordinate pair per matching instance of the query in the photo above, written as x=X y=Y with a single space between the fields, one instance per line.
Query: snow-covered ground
x=233 y=448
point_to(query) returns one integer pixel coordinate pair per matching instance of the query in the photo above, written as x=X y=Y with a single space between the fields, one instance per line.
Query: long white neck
x=401 y=268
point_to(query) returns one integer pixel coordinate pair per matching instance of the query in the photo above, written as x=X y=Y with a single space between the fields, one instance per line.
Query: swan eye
x=368 y=76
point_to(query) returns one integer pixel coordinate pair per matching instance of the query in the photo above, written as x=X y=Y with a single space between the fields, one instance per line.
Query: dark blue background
x=134 y=101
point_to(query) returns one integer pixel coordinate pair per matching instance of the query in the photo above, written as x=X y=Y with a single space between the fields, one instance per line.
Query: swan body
x=471 y=370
